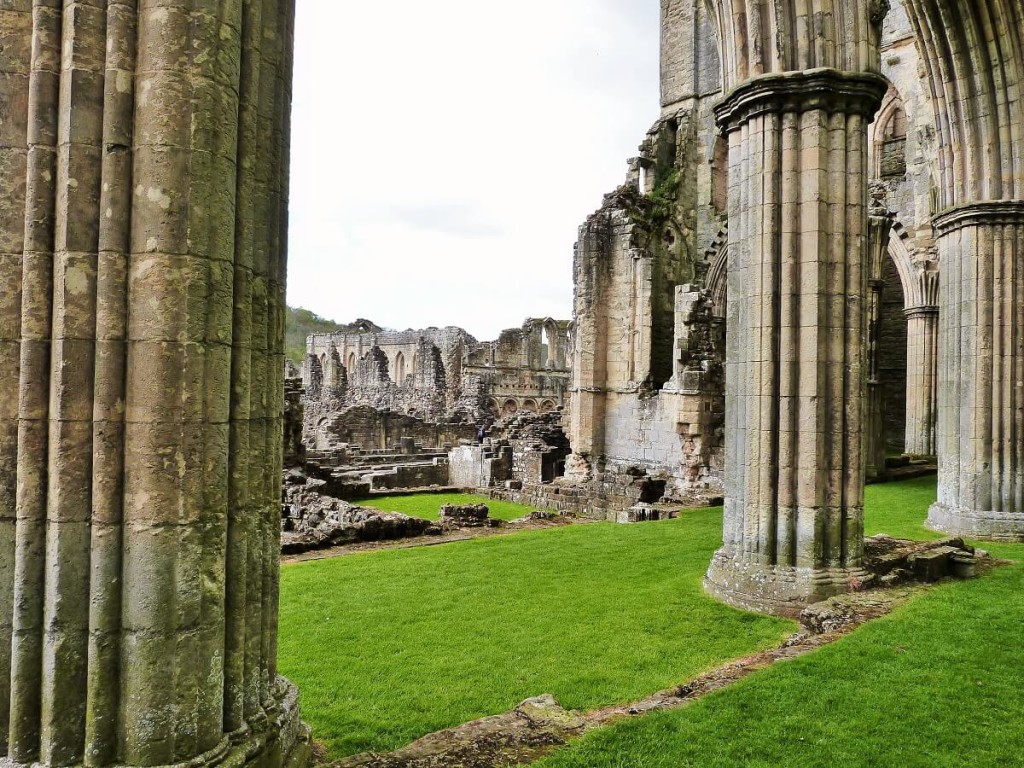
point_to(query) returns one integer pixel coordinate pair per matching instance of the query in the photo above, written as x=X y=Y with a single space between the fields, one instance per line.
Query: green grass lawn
x=938 y=683
x=391 y=645
x=428 y=505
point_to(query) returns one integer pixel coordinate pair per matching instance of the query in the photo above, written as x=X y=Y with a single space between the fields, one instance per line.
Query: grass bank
x=389 y=646
x=428 y=505
x=938 y=683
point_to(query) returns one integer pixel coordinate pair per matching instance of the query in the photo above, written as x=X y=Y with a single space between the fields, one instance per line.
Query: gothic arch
x=900 y=256
x=717 y=283
x=889 y=137
x=399 y=369
x=973 y=56
x=555 y=352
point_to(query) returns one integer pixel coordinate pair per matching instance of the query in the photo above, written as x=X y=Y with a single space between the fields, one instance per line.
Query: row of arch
x=398 y=370
x=510 y=406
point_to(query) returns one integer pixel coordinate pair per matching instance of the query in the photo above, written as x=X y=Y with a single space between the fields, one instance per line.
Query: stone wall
x=294 y=449
x=438 y=376
x=480 y=466
x=370 y=429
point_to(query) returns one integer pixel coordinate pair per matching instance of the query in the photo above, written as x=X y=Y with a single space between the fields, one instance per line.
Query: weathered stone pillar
x=922 y=379
x=796 y=368
x=981 y=378
x=879 y=226
x=590 y=349
x=143 y=167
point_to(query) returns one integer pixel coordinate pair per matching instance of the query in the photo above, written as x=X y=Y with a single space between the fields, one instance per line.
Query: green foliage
x=663 y=196
x=938 y=683
x=391 y=645
x=428 y=505
x=299 y=324
x=651 y=211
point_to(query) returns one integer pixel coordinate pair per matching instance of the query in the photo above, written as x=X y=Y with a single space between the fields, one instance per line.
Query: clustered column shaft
x=981 y=400
x=922 y=379
x=796 y=355
x=143 y=168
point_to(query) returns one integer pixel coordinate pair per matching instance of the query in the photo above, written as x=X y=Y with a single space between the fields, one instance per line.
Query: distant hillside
x=301 y=323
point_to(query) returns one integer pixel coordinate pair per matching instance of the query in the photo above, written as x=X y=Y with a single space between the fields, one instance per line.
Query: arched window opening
x=399 y=373
x=547 y=350
x=894 y=146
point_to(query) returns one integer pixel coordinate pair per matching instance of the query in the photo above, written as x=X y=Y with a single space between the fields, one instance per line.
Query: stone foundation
x=783 y=591
x=972 y=524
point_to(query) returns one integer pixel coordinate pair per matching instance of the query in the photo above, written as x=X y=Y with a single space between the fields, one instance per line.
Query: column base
x=778 y=590
x=973 y=524
x=277 y=739
x=282 y=740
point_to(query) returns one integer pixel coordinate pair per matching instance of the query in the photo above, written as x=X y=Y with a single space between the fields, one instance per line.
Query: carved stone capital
x=830 y=90
x=986 y=213
x=923 y=311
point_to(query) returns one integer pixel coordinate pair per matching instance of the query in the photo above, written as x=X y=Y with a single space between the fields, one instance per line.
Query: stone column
x=143 y=167
x=922 y=379
x=796 y=367
x=879 y=226
x=981 y=397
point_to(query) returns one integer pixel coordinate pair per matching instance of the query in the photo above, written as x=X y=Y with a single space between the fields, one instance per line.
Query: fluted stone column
x=143 y=167
x=922 y=379
x=796 y=368
x=981 y=378
x=879 y=226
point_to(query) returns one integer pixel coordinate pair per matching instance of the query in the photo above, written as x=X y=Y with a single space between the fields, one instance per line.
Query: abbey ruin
x=434 y=376
x=813 y=262
x=374 y=409
x=818 y=169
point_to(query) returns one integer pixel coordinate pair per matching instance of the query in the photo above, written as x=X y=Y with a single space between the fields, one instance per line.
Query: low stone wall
x=479 y=466
x=411 y=476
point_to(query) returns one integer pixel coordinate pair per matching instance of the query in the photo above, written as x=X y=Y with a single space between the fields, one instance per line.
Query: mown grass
x=389 y=646
x=938 y=683
x=428 y=505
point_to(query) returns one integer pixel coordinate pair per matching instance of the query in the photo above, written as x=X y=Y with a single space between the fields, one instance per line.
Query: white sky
x=444 y=153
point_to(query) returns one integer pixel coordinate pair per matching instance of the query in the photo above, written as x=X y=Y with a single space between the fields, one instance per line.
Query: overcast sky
x=445 y=152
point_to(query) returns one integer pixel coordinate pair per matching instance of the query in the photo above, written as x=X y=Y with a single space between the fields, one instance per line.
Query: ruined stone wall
x=439 y=376
x=294 y=449
x=639 y=399
x=376 y=430
x=479 y=466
